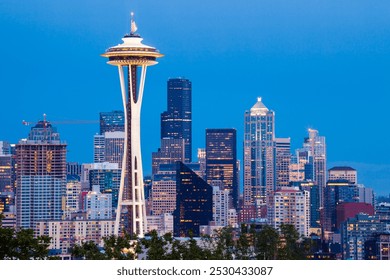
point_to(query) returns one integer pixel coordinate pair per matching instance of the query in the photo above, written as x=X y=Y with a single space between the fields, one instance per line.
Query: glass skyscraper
x=112 y=121
x=176 y=122
x=221 y=160
x=259 y=155
x=194 y=202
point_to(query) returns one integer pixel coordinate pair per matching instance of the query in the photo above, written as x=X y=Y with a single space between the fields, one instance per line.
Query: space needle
x=132 y=58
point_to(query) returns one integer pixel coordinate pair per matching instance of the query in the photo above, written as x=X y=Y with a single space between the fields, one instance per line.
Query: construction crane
x=45 y=122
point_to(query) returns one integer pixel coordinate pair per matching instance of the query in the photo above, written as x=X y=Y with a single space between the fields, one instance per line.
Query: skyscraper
x=314 y=154
x=282 y=162
x=194 y=202
x=221 y=160
x=41 y=176
x=259 y=155
x=176 y=122
x=130 y=56
x=171 y=150
x=112 y=121
x=113 y=147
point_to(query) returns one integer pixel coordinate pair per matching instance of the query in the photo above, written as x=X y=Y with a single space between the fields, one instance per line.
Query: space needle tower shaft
x=132 y=58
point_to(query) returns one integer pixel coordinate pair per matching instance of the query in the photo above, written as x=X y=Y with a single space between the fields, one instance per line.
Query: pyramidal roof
x=259 y=107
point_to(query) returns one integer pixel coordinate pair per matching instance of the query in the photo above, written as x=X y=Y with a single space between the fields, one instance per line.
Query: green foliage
x=225 y=244
x=266 y=243
x=22 y=245
x=115 y=248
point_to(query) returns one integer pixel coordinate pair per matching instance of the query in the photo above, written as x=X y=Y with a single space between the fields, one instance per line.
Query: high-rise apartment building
x=41 y=176
x=221 y=160
x=356 y=231
x=112 y=121
x=290 y=206
x=259 y=155
x=313 y=189
x=99 y=142
x=114 y=147
x=97 y=205
x=72 y=199
x=176 y=122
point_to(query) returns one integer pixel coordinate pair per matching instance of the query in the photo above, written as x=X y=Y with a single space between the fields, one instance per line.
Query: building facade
x=290 y=206
x=176 y=122
x=194 y=202
x=41 y=176
x=221 y=160
x=112 y=121
x=259 y=155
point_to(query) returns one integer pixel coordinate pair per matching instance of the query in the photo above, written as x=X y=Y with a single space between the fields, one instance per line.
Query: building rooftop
x=259 y=108
x=342 y=168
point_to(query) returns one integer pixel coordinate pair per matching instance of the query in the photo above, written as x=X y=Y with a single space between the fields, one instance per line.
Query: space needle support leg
x=123 y=171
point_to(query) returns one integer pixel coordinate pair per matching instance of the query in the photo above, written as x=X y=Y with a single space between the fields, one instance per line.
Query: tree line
x=248 y=243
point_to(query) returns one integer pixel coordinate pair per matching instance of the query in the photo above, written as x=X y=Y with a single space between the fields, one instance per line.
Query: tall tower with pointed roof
x=132 y=58
x=259 y=156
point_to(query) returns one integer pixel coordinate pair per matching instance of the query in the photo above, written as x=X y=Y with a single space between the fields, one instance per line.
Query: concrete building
x=343 y=172
x=41 y=176
x=72 y=199
x=65 y=234
x=162 y=224
x=290 y=205
x=98 y=206
x=356 y=231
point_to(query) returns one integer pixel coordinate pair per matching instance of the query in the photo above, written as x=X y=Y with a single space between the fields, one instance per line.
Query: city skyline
x=323 y=74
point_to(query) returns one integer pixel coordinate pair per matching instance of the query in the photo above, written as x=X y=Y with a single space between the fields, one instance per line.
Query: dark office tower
x=112 y=121
x=176 y=122
x=282 y=162
x=221 y=160
x=337 y=192
x=41 y=176
x=194 y=202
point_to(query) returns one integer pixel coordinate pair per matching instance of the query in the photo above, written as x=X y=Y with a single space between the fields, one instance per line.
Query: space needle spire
x=132 y=58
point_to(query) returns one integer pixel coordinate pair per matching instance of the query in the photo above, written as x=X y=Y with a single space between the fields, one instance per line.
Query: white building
x=72 y=199
x=290 y=205
x=65 y=234
x=98 y=206
x=161 y=223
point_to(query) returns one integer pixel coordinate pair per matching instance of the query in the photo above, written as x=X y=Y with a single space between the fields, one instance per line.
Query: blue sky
x=320 y=64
